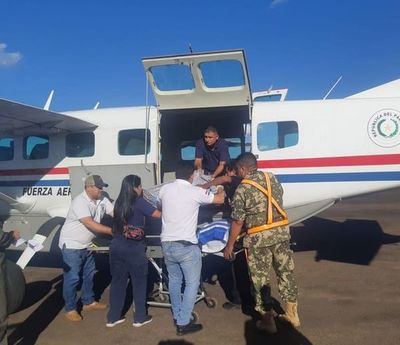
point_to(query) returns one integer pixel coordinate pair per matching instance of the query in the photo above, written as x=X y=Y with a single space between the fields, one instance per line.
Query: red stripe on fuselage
x=41 y=171
x=330 y=161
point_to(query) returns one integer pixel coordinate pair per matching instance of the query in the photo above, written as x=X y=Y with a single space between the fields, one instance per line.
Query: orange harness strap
x=271 y=202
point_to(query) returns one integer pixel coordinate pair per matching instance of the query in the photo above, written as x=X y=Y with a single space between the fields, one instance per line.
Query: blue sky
x=90 y=51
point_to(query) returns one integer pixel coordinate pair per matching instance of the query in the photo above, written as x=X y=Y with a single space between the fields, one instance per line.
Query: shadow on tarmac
x=285 y=335
x=27 y=332
x=355 y=241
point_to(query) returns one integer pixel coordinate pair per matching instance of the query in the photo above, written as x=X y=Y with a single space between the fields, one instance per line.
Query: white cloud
x=275 y=3
x=6 y=58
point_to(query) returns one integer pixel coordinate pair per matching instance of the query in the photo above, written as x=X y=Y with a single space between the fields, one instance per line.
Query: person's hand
x=16 y=235
x=228 y=253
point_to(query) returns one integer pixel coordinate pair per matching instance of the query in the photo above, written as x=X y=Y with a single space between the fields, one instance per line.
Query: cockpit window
x=36 y=147
x=6 y=149
x=131 y=142
x=277 y=135
x=268 y=98
x=224 y=73
x=79 y=144
x=172 y=77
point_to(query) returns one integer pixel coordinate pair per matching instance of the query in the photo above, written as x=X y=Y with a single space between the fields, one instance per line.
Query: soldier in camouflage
x=265 y=249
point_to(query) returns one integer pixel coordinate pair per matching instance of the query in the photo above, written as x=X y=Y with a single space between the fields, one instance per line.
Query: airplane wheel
x=210 y=302
x=15 y=283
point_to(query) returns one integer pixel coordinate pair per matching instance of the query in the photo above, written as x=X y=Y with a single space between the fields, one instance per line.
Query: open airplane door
x=195 y=81
x=195 y=91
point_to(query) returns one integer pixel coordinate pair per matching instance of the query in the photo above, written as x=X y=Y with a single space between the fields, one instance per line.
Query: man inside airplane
x=80 y=227
x=211 y=153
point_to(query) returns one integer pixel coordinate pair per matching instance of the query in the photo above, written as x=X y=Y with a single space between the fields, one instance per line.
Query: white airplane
x=321 y=150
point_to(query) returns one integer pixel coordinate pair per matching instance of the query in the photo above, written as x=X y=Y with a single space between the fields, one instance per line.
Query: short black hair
x=247 y=160
x=211 y=129
x=184 y=171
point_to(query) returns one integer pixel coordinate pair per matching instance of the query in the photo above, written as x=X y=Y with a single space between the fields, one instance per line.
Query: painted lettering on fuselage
x=46 y=191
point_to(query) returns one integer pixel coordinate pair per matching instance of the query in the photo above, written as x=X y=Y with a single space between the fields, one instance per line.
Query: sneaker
x=189 y=328
x=94 y=306
x=113 y=324
x=147 y=319
x=73 y=315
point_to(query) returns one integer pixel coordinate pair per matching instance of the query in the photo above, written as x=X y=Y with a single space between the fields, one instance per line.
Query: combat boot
x=267 y=323
x=291 y=315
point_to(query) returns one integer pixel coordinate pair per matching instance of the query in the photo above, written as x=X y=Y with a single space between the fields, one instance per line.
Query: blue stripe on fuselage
x=340 y=177
x=33 y=183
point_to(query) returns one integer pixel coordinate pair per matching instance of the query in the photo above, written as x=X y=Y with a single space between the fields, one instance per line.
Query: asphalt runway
x=347 y=267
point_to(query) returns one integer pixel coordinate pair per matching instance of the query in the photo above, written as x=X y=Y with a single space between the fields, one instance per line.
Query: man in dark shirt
x=211 y=153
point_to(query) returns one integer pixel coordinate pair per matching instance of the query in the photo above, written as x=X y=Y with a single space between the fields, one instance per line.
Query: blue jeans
x=127 y=259
x=183 y=262
x=77 y=263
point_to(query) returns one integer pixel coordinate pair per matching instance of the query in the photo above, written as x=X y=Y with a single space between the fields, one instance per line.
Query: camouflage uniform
x=268 y=248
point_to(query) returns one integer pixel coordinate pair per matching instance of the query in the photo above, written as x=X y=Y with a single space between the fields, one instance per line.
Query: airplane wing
x=18 y=119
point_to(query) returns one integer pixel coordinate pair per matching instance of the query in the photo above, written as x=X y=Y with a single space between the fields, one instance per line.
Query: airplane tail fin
x=388 y=90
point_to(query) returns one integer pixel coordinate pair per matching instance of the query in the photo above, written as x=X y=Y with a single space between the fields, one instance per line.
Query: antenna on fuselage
x=49 y=99
x=96 y=106
x=190 y=48
x=334 y=85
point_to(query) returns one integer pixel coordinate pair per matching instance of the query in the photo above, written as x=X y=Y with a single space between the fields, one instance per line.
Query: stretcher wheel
x=210 y=302
x=195 y=317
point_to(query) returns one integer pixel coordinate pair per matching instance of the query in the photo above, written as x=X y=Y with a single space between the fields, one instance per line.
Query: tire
x=15 y=286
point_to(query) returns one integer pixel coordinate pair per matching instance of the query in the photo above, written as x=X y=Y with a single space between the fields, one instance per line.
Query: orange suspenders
x=271 y=202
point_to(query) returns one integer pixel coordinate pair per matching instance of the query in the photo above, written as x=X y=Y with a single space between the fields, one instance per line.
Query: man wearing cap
x=80 y=227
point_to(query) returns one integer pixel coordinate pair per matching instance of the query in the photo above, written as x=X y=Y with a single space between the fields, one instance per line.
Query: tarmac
x=347 y=268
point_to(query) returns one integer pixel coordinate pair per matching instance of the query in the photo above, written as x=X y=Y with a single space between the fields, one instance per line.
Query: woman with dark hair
x=128 y=252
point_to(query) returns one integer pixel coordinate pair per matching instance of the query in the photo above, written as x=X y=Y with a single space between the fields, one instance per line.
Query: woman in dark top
x=128 y=256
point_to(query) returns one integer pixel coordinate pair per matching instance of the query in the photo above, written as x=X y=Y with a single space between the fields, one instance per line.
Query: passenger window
x=172 y=77
x=6 y=149
x=131 y=142
x=225 y=73
x=277 y=135
x=79 y=145
x=36 y=147
x=188 y=150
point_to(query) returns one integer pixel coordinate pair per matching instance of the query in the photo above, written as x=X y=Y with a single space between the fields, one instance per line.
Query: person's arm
x=94 y=226
x=219 y=198
x=6 y=238
x=217 y=181
x=219 y=170
x=198 y=164
x=156 y=214
x=236 y=228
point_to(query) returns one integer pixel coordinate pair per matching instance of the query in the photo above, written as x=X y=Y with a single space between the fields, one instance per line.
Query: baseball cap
x=95 y=180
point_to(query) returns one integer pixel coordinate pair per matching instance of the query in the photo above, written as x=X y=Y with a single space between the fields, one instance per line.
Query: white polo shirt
x=180 y=202
x=73 y=233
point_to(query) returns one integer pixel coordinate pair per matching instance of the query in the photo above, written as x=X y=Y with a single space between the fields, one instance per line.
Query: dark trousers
x=3 y=301
x=127 y=259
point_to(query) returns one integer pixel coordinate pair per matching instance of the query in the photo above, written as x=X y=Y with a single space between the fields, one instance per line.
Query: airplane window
x=172 y=77
x=277 y=135
x=268 y=98
x=79 y=144
x=224 y=73
x=131 y=142
x=36 y=147
x=6 y=149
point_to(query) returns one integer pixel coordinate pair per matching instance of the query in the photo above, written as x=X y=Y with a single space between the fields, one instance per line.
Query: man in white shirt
x=80 y=227
x=180 y=202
